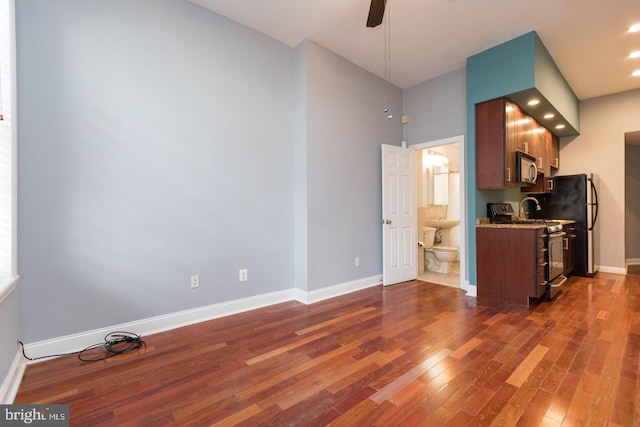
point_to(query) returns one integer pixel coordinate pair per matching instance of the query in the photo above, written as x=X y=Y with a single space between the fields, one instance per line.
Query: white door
x=399 y=215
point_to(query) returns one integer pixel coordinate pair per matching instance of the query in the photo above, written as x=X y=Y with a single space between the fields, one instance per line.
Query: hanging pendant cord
x=387 y=59
x=1 y=116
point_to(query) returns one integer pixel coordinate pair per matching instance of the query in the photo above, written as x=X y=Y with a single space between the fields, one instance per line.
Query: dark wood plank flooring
x=412 y=354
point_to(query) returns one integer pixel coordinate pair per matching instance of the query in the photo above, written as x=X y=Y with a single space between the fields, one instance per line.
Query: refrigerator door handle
x=594 y=203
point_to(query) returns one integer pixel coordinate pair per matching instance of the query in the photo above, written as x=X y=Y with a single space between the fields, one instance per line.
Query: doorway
x=442 y=195
x=632 y=203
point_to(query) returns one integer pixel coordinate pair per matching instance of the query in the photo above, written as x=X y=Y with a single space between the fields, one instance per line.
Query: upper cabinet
x=548 y=161
x=492 y=168
x=502 y=129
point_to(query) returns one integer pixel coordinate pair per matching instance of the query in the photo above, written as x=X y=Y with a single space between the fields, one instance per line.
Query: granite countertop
x=525 y=225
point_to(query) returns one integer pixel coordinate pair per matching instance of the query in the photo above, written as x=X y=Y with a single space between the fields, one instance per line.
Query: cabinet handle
x=566 y=244
x=526 y=147
x=557 y=162
x=540 y=167
x=508 y=174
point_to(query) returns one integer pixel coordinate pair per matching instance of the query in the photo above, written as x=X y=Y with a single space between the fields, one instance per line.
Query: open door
x=399 y=215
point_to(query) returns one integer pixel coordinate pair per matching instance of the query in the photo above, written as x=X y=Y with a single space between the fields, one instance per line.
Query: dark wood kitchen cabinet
x=511 y=264
x=502 y=128
x=554 y=151
x=568 y=245
x=494 y=167
x=548 y=162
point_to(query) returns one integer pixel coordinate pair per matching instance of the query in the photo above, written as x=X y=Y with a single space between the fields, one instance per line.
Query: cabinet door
x=544 y=141
x=554 y=157
x=569 y=248
x=522 y=125
x=511 y=141
x=542 y=153
x=491 y=169
x=508 y=264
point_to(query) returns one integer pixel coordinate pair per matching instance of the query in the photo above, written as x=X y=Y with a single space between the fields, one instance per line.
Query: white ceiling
x=588 y=39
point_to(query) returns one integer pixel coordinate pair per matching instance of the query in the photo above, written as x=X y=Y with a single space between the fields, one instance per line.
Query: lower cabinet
x=511 y=264
x=569 y=248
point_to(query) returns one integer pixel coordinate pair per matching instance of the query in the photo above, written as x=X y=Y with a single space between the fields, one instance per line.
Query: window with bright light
x=7 y=143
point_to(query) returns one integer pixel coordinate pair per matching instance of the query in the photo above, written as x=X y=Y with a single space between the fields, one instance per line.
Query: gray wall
x=600 y=149
x=301 y=241
x=155 y=143
x=632 y=201
x=346 y=126
x=159 y=140
x=436 y=108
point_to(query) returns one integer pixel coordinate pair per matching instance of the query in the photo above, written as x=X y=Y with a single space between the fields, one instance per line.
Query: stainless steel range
x=554 y=243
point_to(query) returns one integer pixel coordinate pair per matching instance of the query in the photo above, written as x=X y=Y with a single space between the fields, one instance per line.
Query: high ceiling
x=588 y=39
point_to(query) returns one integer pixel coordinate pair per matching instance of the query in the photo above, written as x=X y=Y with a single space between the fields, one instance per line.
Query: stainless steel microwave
x=526 y=169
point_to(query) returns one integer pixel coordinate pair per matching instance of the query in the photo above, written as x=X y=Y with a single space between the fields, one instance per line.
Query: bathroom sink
x=443 y=223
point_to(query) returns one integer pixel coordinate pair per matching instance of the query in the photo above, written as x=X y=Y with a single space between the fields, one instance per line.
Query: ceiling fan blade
x=376 y=13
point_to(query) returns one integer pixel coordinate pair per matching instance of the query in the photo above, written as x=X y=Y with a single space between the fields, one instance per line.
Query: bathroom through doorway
x=441 y=205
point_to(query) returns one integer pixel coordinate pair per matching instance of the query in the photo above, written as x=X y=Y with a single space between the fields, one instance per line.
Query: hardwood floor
x=413 y=354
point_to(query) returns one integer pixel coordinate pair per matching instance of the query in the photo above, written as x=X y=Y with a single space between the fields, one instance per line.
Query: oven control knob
x=554 y=228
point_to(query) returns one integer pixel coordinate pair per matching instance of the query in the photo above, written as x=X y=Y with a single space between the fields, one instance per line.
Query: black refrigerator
x=576 y=197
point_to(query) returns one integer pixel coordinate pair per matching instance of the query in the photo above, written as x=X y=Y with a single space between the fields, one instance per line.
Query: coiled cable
x=115 y=343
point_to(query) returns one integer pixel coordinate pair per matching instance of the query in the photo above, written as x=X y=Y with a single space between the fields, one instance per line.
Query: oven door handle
x=558 y=234
x=564 y=279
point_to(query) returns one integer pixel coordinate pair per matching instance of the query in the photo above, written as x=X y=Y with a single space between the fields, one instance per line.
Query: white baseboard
x=632 y=261
x=80 y=341
x=614 y=270
x=472 y=291
x=11 y=383
x=152 y=325
x=336 y=290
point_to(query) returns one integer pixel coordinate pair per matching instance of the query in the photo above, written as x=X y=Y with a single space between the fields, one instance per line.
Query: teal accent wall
x=517 y=65
x=501 y=70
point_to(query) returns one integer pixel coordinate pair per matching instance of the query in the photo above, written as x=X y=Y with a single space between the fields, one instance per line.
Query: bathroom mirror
x=435 y=178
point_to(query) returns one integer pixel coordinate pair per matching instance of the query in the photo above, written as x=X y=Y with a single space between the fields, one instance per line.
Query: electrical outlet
x=195 y=282
x=357 y=261
x=243 y=275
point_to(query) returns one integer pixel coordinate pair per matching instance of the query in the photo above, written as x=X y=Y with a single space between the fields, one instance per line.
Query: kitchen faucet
x=522 y=213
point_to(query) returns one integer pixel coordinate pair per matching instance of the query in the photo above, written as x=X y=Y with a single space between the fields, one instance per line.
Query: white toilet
x=437 y=258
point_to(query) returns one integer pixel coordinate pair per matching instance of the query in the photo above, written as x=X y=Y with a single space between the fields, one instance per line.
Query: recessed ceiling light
x=634 y=28
x=636 y=73
x=560 y=127
x=634 y=54
x=533 y=102
x=549 y=116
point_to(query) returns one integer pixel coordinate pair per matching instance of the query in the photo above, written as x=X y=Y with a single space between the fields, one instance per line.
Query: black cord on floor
x=115 y=343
